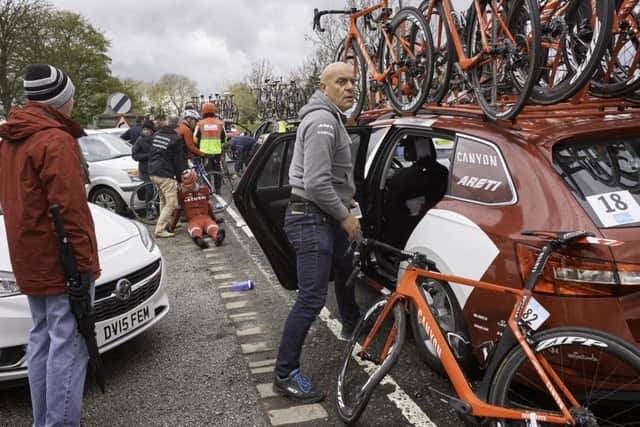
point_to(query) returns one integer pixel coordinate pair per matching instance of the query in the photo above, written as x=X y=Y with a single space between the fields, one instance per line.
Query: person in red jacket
x=40 y=165
x=194 y=200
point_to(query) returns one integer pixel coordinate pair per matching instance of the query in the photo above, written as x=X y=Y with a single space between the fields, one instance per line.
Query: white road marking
x=297 y=414
x=263 y=370
x=218 y=268
x=265 y=390
x=249 y=331
x=247 y=314
x=223 y=276
x=236 y=304
x=269 y=362
x=255 y=347
x=226 y=295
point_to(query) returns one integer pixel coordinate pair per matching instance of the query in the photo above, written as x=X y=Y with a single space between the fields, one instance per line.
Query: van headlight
x=8 y=285
x=134 y=175
x=145 y=236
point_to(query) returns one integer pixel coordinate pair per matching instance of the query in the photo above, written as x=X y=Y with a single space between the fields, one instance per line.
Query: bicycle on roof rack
x=404 y=64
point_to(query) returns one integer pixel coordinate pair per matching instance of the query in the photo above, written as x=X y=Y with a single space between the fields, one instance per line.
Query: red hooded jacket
x=40 y=166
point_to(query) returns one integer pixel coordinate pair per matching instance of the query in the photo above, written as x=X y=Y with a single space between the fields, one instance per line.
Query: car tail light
x=577 y=276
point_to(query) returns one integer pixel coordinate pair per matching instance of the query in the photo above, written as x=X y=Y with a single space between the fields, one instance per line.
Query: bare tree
x=21 y=23
x=172 y=92
x=260 y=71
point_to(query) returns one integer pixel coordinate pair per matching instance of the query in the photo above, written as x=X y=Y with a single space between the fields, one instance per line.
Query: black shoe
x=220 y=237
x=346 y=333
x=200 y=242
x=297 y=386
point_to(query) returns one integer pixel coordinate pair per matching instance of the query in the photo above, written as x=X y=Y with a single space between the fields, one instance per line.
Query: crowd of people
x=166 y=150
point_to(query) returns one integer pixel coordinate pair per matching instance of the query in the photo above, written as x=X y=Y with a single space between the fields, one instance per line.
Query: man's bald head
x=337 y=82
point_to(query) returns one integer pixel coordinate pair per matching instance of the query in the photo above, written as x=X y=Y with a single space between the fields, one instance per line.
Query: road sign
x=122 y=123
x=120 y=103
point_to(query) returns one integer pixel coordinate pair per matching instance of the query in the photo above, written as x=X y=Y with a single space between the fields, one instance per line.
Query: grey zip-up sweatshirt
x=321 y=168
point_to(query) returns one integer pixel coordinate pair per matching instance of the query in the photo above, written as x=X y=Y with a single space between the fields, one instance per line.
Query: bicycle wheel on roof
x=574 y=41
x=504 y=76
x=352 y=55
x=408 y=58
x=443 y=52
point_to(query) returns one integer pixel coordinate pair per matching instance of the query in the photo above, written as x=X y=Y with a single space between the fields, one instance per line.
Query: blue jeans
x=320 y=244
x=57 y=359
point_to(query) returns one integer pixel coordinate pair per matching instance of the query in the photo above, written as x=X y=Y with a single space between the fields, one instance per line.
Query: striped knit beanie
x=47 y=84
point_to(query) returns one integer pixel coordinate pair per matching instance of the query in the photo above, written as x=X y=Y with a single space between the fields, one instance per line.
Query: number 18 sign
x=615 y=208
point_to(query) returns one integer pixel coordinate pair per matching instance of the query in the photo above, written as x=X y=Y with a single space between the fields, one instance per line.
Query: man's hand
x=351 y=226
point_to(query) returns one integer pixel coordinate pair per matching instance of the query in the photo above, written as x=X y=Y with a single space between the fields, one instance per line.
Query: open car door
x=263 y=194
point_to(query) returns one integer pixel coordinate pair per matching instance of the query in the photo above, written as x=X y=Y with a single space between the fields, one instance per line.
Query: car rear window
x=604 y=176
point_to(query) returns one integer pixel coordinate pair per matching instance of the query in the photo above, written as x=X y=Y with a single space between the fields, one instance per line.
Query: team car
x=461 y=190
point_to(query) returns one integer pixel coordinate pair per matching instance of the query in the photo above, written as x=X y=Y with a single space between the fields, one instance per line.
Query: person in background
x=241 y=146
x=141 y=152
x=186 y=129
x=131 y=135
x=210 y=136
x=193 y=199
x=40 y=166
x=319 y=224
x=166 y=163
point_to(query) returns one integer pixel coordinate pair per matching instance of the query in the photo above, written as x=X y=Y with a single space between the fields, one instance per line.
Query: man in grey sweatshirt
x=319 y=224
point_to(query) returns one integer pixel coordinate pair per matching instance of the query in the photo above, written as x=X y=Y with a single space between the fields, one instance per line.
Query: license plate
x=534 y=314
x=122 y=325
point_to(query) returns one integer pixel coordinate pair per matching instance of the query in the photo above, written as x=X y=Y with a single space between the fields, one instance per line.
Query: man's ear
x=322 y=87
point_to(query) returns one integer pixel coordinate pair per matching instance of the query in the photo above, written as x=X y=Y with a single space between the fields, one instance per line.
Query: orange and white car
x=574 y=170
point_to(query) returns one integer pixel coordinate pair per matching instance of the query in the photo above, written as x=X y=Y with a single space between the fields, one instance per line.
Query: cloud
x=213 y=42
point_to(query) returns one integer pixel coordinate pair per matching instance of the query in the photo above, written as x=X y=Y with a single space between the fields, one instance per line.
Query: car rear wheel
x=107 y=198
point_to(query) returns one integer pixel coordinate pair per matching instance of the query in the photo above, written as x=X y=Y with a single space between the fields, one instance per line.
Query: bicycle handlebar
x=317 y=14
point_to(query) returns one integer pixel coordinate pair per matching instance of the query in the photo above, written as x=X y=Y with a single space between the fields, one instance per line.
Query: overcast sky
x=212 y=42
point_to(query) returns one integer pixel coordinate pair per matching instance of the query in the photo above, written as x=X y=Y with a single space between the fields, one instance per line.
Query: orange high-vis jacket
x=210 y=133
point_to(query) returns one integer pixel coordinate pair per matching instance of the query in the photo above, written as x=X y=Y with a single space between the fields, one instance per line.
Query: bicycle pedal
x=457 y=404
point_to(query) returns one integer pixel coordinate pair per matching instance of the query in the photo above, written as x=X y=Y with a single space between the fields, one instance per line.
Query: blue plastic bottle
x=242 y=286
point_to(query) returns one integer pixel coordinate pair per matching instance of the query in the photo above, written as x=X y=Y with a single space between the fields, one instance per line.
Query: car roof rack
x=584 y=107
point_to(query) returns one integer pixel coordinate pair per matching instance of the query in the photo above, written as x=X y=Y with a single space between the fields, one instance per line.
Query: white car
x=113 y=172
x=130 y=294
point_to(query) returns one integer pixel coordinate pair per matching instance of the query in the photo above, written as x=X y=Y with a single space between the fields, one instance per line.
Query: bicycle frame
x=623 y=15
x=408 y=291
x=465 y=62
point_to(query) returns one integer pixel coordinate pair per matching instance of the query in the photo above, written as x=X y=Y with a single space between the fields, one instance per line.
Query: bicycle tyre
x=446 y=309
x=574 y=54
x=137 y=201
x=612 y=78
x=443 y=53
x=354 y=56
x=584 y=359
x=358 y=378
x=510 y=89
x=407 y=87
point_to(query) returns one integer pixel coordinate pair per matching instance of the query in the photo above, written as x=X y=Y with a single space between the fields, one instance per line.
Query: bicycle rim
x=353 y=56
x=619 y=73
x=443 y=55
x=362 y=370
x=504 y=80
x=408 y=59
x=574 y=43
x=601 y=371
x=146 y=213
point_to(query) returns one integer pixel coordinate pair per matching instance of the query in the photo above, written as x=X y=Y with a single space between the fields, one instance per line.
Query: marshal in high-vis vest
x=209 y=137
